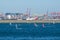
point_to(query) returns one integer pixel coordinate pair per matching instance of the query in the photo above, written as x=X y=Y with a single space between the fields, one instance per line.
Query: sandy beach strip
x=29 y=21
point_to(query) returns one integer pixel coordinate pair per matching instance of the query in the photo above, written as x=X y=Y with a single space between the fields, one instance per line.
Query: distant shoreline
x=29 y=21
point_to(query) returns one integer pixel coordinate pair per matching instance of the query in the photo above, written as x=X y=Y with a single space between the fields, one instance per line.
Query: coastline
x=29 y=21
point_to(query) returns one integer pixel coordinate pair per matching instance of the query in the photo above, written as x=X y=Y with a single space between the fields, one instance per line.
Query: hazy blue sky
x=37 y=6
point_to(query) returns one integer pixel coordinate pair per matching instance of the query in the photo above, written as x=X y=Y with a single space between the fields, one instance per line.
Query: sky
x=36 y=6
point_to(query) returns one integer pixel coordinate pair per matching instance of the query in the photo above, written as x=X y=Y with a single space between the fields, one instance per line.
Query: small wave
x=30 y=38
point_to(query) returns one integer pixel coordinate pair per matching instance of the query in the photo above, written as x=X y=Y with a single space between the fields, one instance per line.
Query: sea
x=29 y=31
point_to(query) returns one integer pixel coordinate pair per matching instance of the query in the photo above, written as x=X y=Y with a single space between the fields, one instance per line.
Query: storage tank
x=8 y=16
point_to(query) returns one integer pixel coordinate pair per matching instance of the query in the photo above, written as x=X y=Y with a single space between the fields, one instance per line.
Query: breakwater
x=30 y=21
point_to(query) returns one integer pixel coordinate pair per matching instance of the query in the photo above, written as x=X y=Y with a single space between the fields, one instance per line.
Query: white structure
x=9 y=16
x=32 y=18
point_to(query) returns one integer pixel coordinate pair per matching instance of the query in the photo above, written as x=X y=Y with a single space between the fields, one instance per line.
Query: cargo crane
x=29 y=15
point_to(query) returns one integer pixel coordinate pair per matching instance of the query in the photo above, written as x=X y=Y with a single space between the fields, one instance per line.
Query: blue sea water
x=30 y=31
